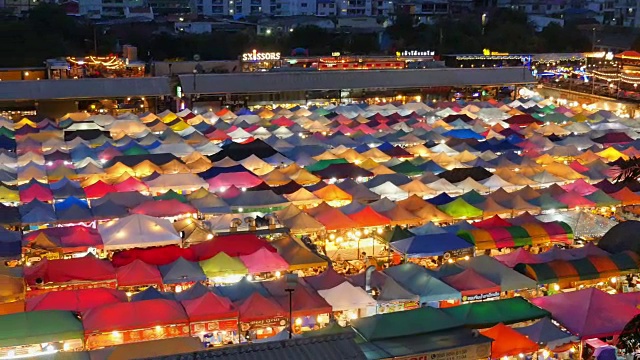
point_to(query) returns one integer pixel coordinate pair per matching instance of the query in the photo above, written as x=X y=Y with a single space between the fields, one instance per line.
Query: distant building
x=275 y=26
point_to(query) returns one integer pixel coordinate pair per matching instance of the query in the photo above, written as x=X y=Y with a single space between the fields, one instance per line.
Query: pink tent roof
x=581 y=187
x=575 y=165
x=131 y=184
x=588 y=313
x=69 y=237
x=138 y=273
x=519 y=256
x=492 y=222
x=164 y=208
x=264 y=260
x=282 y=121
x=75 y=300
x=470 y=283
x=572 y=199
x=239 y=179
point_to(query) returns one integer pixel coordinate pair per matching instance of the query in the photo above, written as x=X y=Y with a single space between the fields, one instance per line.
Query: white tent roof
x=177 y=182
x=347 y=297
x=138 y=231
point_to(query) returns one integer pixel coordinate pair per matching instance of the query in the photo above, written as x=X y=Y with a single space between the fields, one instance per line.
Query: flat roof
x=83 y=88
x=265 y=82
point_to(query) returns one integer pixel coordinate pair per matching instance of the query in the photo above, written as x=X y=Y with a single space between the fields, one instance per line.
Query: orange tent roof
x=508 y=342
x=626 y=196
x=332 y=193
x=367 y=217
x=334 y=219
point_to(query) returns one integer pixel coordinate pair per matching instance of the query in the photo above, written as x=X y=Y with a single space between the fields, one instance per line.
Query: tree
x=629 y=340
x=627 y=170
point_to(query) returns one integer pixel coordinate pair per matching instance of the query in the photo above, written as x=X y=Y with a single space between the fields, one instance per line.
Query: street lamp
x=291 y=281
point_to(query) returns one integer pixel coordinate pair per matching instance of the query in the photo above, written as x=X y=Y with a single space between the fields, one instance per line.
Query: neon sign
x=415 y=53
x=259 y=56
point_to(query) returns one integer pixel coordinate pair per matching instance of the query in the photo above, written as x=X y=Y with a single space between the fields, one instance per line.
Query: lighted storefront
x=94 y=67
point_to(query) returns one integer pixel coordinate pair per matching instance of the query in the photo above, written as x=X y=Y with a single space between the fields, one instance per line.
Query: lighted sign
x=259 y=56
x=487 y=52
x=335 y=53
x=415 y=53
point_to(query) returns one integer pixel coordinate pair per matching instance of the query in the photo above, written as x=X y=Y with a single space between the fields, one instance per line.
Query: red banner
x=96 y=341
x=214 y=325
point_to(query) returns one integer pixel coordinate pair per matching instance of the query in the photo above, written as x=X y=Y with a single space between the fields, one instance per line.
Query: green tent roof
x=223 y=265
x=487 y=314
x=397 y=233
x=459 y=209
x=323 y=164
x=172 y=195
x=473 y=197
x=547 y=202
x=602 y=199
x=407 y=168
x=135 y=150
x=37 y=327
x=7 y=132
x=405 y=323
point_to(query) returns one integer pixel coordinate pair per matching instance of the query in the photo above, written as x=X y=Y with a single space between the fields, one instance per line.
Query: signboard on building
x=471 y=352
x=260 y=56
x=415 y=53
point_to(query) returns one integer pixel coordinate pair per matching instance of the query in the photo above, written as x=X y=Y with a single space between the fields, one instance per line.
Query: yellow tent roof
x=331 y=193
x=118 y=169
x=368 y=164
x=275 y=178
x=376 y=155
x=303 y=197
x=169 y=117
x=174 y=167
x=611 y=154
x=303 y=177
x=179 y=126
x=327 y=155
x=8 y=195
x=381 y=170
x=143 y=168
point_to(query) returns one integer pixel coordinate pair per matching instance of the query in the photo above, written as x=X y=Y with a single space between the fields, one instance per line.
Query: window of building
x=304 y=5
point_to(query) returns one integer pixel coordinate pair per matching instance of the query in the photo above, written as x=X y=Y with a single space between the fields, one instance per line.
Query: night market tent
x=138 y=273
x=587 y=268
x=163 y=208
x=585 y=225
x=334 y=219
x=63 y=271
x=297 y=255
x=258 y=308
x=176 y=182
x=516 y=236
x=233 y=245
x=388 y=290
x=181 y=271
x=460 y=209
x=508 y=342
x=303 y=223
x=78 y=300
x=305 y=301
x=138 y=231
x=480 y=315
x=264 y=260
x=367 y=217
x=132 y=316
x=546 y=333
x=223 y=265
x=398 y=215
x=470 y=284
x=588 y=313
x=346 y=296
x=38 y=327
x=404 y=323
x=209 y=307
x=421 y=246
x=10 y=243
x=417 y=280
x=491 y=269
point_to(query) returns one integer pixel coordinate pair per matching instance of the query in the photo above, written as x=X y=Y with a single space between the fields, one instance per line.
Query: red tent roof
x=36 y=191
x=492 y=222
x=523 y=120
x=282 y=121
x=209 y=307
x=133 y=315
x=131 y=184
x=508 y=342
x=334 y=219
x=305 y=301
x=575 y=165
x=155 y=256
x=138 y=273
x=86 y=268
x=98 y=189
x=75 y=300
x=164 y=208
x=217 y=134
x=367 y=217
x=470 y=283
x=233 y=245
x=257 y=307
x=626 y=196
x=629 y=54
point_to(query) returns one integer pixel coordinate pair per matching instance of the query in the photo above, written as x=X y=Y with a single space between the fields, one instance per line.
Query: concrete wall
x=54 y=109
x=161 y=68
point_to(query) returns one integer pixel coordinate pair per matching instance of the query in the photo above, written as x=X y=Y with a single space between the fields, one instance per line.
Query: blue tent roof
x=430 y=245
x=241 y=290
x=463 y=134
x=10 y=243
x=152 y=293
x=181 y=271
x=441 y=199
